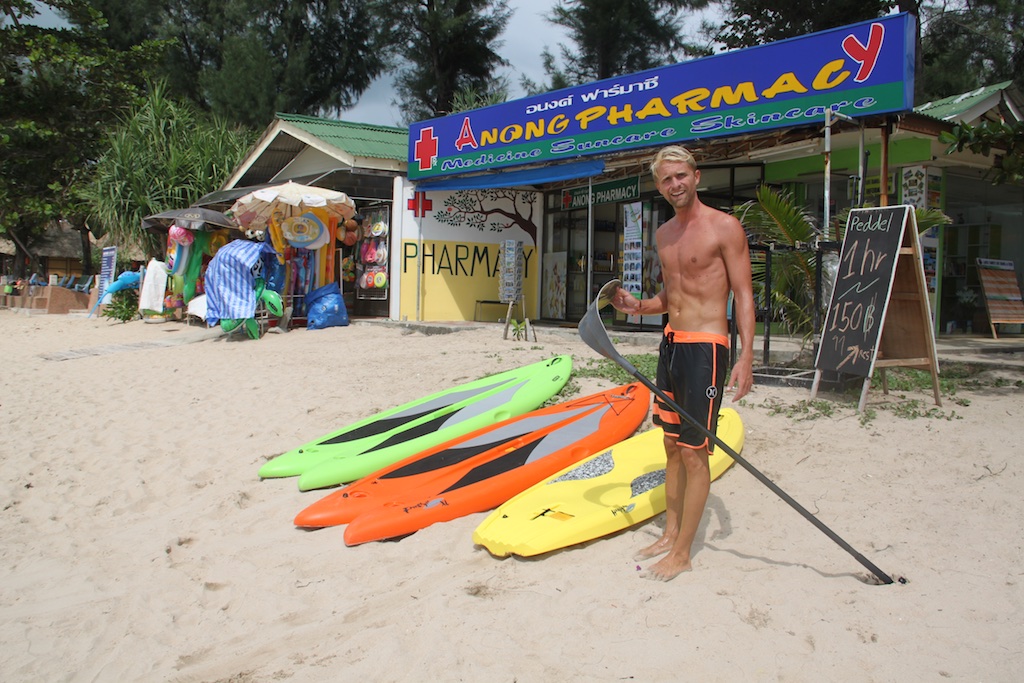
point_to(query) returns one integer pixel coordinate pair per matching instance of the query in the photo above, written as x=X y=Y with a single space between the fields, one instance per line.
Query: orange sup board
x=480 y=470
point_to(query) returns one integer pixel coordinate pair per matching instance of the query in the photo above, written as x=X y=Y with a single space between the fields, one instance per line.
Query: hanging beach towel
x=154 y=285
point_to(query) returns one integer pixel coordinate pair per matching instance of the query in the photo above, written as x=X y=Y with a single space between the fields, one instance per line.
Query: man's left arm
x=737 y=264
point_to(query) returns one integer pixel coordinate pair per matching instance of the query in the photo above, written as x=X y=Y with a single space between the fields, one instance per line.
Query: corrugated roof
x=991 y=101
x=358 y=139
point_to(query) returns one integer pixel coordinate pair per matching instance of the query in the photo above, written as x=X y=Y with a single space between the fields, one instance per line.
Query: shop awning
x=530 y=176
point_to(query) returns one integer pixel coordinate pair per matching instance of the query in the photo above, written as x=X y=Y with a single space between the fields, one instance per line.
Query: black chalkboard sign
x=867 y=264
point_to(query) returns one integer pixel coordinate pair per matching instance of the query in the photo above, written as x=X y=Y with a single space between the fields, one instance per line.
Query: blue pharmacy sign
x=858 y=70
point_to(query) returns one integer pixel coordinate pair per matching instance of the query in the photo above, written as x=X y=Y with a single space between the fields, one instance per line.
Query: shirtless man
x=704 y=256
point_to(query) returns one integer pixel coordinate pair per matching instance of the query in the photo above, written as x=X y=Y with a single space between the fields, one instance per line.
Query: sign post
x=510 y=283
x=878 y=315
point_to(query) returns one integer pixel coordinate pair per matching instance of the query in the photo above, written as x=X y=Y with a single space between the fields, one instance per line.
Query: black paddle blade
x=591 y=327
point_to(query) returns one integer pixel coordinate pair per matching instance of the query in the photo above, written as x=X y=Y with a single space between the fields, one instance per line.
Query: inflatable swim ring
x=302 y=231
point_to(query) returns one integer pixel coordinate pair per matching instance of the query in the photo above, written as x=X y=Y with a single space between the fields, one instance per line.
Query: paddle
x=592 y=332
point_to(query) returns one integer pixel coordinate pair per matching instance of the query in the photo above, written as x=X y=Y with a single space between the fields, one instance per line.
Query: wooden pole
x=883 y=185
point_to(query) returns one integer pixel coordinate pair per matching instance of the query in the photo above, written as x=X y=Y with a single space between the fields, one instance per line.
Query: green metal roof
x=965 y=107
x=358 y=139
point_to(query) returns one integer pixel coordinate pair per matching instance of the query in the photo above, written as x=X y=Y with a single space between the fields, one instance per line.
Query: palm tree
x=775 y=217
x=165 y=155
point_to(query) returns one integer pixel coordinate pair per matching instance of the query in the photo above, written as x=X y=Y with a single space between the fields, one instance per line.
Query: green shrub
x=123 y=306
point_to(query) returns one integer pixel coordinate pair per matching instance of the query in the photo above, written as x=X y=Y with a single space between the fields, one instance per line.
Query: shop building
x=581 y=202
x=366 y=162
x=827 y=117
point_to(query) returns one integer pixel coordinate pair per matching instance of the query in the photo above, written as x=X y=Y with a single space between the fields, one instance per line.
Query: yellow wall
x=457 y=274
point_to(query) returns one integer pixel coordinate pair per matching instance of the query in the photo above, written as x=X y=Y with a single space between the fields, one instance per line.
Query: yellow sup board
x=605 y=493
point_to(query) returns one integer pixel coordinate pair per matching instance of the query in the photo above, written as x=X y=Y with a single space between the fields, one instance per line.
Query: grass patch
x=801 y=410
x=602 y=368
x=955 y=379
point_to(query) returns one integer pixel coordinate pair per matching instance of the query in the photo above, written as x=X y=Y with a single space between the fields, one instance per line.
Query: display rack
x=372 y=259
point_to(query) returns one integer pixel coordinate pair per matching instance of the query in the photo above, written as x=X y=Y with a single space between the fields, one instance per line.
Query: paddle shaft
x=879 y=574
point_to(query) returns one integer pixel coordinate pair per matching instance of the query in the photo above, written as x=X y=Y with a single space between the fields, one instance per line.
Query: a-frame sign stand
x=879 y=314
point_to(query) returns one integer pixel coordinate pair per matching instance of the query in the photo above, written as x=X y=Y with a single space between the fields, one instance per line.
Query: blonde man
x=704 y=257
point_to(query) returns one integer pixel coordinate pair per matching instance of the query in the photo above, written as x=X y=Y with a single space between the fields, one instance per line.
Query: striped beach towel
x=230 y=281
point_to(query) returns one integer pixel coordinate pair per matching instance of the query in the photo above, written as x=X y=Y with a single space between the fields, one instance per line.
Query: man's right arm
x=627 y=303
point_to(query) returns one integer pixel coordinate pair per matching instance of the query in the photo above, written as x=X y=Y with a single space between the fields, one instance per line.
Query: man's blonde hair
x=672 y=153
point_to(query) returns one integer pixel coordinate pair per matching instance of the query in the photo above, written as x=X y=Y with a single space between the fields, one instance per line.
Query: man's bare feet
x=666 y=569
x=662 y=545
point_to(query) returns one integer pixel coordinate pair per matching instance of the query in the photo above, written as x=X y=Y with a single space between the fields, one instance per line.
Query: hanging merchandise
x=153 y=292
x=217 y=240
x=348 y=269
x=305 y=231
x=372 y=254
x=277 y=239
x=297 y=265
x=180 y=234
x=369 y=251
x=178 y=248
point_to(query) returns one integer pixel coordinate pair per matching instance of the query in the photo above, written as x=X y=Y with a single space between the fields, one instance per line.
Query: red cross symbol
x=425 y=149
x=566 y=199
x=419 y=204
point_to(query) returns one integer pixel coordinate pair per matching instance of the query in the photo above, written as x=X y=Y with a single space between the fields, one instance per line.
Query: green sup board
x=387 y=437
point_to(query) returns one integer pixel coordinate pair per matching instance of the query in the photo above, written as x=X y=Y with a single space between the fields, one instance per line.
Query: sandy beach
x=140 y=545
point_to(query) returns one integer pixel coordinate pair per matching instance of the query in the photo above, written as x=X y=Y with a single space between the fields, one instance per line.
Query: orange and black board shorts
x=691 y=371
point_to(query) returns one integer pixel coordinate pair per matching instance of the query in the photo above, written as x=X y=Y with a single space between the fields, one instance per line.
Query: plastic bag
x=325 y=308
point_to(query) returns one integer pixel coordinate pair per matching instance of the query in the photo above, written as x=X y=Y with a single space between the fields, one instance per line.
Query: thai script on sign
x=560 y=103
x=619 y=89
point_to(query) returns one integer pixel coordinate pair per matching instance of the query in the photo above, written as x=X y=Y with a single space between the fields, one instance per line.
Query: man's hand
x=625 y=302
x=742 y=376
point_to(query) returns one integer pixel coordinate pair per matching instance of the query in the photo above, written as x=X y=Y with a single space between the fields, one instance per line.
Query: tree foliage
x=450 y=46
x=59 y=88
x=245 y=60
x=466 y=98
x=164 y=155
x=776 y=217
x=966 y=44
x=986 y=137
x=755 y=22
x=615 y=37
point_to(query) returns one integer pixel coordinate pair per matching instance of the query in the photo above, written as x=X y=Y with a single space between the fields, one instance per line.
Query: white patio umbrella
x=253 y=211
